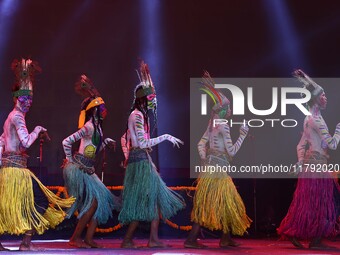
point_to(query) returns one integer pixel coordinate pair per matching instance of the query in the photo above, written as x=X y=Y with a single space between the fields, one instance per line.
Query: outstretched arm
x=143 y=141
x=76 y=136
x=321 y=128
x=26 y=139
x=228 y=143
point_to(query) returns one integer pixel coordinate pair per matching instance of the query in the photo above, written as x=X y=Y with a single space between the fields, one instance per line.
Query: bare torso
x=16 y=136
x=218 y=138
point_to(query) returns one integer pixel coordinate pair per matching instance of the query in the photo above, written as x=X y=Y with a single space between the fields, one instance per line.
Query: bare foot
x=194 y=245
x=28 y=247
x=296 y=243
x=79 y=244
x=93 y=244
x=128 y=244
x=157 y=244
x=229 y=243
x=3 y=248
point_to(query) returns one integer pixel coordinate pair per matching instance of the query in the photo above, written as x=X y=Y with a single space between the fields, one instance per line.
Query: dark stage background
x=179 y=39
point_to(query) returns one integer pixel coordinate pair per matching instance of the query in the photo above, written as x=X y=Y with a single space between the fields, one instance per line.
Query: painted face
x=225 y=112
x=152 y=101
x=222 y=113
x=322 y=101
x=24 y=103
x=102 y=111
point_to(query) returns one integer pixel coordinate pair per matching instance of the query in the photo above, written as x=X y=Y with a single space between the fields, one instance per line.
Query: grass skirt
x=312 y=213
x=18 y=212
x=87 y=188
x=145 y=196
x=217 y=205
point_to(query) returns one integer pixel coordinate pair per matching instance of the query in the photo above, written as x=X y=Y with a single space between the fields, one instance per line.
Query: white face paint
x=322 y=101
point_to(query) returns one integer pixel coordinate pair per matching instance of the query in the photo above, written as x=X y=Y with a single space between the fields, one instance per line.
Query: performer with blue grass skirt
x=94 y=202
x=145 y=196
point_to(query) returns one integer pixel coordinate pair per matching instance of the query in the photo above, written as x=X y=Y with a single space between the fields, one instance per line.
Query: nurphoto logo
x=239 y=104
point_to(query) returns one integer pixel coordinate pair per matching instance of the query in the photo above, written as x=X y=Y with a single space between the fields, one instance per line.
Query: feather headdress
x=220 y=100
x=24 y=71
x=85 y=88
x=145 y=81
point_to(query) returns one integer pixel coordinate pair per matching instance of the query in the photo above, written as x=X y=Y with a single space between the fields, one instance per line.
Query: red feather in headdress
x=209 y=83
x=85 y=88
x=145 y=74
x=25 y=68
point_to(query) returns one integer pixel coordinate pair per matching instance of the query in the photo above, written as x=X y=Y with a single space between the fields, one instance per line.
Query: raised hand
x=244 y=130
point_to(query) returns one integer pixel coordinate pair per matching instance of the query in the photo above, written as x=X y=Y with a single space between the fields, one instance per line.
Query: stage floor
x=248 y=246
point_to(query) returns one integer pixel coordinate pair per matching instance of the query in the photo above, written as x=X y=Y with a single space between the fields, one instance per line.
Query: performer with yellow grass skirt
x=26 y=205
x=217 y=204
